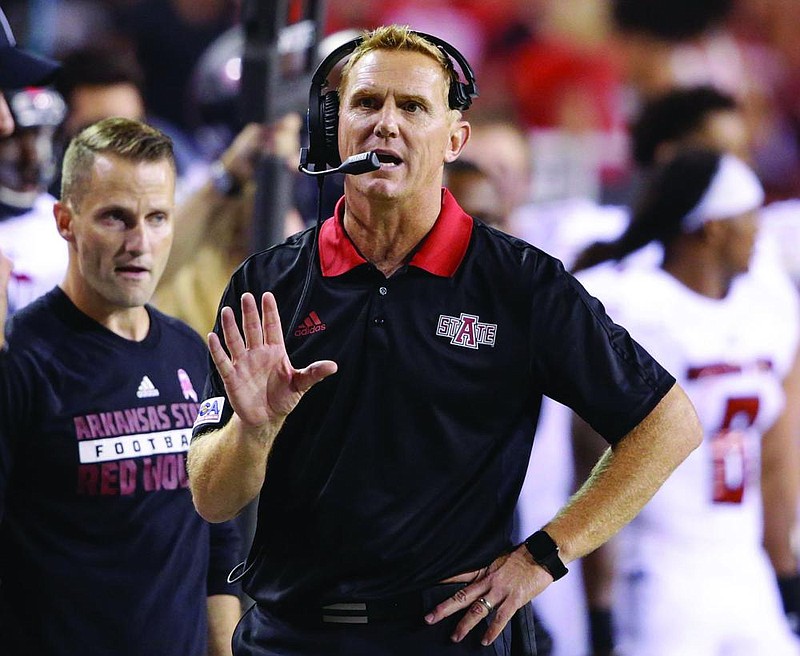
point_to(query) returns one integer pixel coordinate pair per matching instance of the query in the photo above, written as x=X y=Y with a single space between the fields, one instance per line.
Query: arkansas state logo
x=466 y=330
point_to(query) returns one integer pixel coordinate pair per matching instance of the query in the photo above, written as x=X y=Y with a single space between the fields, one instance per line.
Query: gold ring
x=489 y=608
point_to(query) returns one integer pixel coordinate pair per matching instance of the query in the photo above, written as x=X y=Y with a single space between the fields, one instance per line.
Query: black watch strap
x=544 y=551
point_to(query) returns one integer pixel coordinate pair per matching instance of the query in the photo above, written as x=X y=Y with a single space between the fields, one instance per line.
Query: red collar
x=441 y=251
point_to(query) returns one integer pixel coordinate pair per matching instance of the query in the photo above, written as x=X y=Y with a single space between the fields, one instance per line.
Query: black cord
x=242 y=568
x=314 y=251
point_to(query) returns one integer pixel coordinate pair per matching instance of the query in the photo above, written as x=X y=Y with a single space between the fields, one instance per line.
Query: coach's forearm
x=227 y=468
x=627 y=476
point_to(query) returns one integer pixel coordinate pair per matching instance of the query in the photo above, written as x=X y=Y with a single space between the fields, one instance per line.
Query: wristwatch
x=545 y=552
x=223 y=180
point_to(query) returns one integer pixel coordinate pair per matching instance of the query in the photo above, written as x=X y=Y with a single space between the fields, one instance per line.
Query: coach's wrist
x=261 y=433
x=545 y=553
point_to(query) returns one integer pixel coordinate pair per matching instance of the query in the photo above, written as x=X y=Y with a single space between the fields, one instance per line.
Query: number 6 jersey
x=730 y=355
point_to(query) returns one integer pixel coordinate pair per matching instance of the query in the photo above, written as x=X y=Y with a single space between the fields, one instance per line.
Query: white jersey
x=563 y=228
x=38 y=253
x=780 y=227
x=730 y=356
x=692 y=576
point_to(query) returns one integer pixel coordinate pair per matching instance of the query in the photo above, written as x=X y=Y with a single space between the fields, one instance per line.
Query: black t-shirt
x=101 y=550
x=405 y=467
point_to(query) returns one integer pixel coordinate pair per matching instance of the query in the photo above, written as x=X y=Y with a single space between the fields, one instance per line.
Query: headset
x=323 y=106
x=323 y=125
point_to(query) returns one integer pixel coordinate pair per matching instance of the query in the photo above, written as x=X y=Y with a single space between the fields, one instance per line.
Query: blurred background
x=568 y=73
x=551 y=157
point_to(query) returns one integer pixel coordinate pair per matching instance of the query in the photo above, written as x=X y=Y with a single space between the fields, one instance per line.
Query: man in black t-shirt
x=386 y=432
x=101 y=550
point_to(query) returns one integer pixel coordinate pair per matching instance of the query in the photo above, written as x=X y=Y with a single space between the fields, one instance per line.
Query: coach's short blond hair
x=400 y=38
x=122 y=137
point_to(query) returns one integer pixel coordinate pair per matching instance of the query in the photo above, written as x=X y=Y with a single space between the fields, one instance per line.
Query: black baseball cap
x=18 y=67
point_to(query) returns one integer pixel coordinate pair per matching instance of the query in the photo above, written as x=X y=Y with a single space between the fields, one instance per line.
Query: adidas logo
x=311 y=324
x=147 y=389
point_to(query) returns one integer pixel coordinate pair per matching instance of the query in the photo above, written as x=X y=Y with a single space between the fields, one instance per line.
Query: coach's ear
x=63 y=214
x=459 y=135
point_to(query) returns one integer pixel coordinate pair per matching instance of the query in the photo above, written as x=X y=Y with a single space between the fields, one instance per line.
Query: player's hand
x=261 y=384
x=506 y=585
x=281 y=138
x=240 y=158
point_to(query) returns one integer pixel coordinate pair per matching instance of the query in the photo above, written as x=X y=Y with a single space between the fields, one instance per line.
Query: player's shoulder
x=609 y=279
x=564 y=227
x=629 y=289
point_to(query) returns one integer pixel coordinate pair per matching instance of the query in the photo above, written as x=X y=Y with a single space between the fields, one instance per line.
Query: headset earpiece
x=323 y=106
x=330 y=127
x=458 y=97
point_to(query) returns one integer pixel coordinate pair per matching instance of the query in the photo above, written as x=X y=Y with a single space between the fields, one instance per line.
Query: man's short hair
x=402 y=39
x=673 y=116
x=97 y=66
x=121 y=137
x=669 y=20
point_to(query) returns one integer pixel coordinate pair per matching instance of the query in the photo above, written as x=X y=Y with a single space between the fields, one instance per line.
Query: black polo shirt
x=405 y=466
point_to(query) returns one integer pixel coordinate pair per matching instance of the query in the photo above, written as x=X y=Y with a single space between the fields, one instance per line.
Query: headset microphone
x=353 y=165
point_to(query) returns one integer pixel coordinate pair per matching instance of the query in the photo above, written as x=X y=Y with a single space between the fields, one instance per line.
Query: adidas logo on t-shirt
x=311 y=324
x=146 y=389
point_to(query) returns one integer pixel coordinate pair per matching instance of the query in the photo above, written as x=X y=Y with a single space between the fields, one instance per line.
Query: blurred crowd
x=570 y=73
x=560 y=82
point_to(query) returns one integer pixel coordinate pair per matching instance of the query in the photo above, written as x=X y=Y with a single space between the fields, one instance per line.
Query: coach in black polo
x=389 y=446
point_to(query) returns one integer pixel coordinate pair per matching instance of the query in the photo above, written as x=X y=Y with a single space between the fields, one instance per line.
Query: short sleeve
x=588 y=362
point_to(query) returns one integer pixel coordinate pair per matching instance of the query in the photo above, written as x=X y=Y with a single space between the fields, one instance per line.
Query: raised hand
x=261 y=384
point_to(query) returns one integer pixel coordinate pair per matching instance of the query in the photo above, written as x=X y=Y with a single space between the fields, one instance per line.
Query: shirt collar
x=440 y=252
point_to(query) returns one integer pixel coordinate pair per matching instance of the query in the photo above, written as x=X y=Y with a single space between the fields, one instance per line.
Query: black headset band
x=470 y=87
